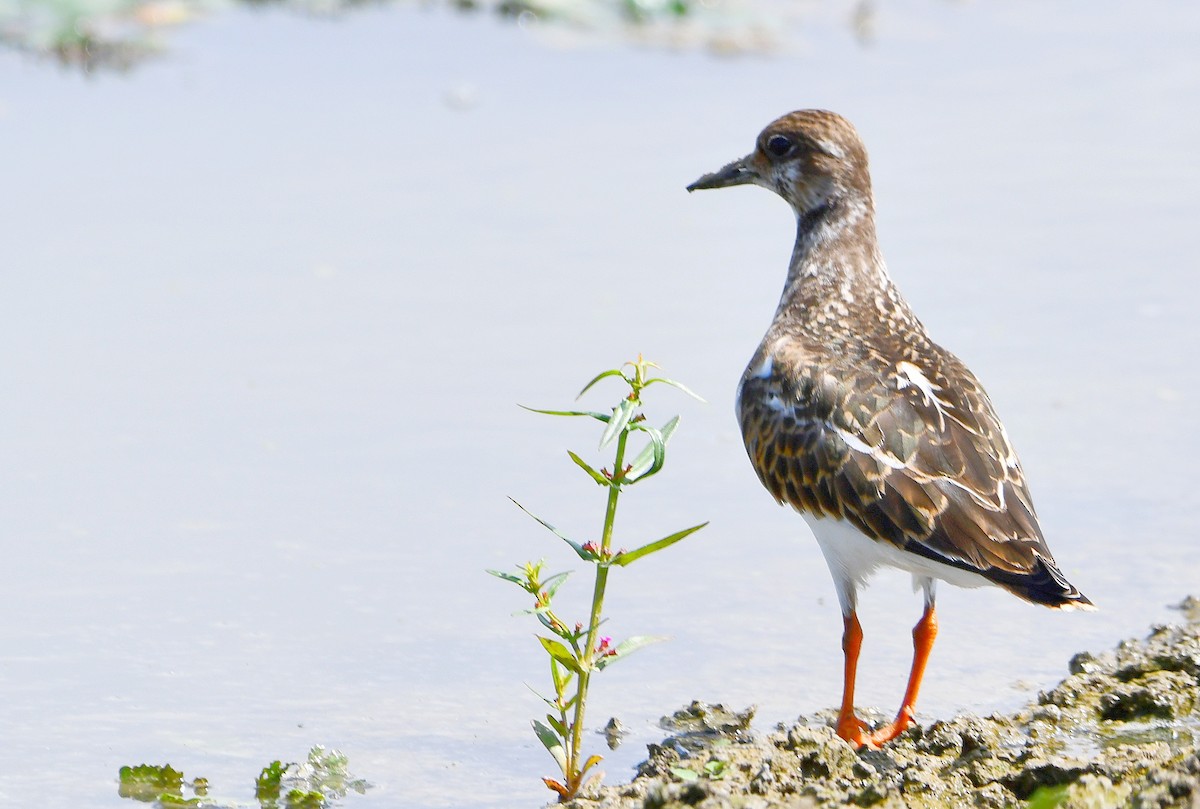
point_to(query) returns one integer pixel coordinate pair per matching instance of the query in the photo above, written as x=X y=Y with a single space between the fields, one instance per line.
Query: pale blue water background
x=268 y=302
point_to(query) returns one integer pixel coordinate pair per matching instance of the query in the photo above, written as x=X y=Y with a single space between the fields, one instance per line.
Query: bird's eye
x=779 y=145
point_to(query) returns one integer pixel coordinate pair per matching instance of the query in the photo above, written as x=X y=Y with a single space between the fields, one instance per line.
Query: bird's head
x=811 y=158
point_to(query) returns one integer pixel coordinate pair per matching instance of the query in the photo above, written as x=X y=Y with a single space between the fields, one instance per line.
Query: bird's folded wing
x=906 y=455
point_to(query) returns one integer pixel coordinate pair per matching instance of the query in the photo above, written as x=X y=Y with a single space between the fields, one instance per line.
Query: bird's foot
x=855 y=731
x=890 y=731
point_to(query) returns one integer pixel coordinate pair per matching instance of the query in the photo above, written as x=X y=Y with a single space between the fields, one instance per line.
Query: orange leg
x=924 y=634
x=849 y=726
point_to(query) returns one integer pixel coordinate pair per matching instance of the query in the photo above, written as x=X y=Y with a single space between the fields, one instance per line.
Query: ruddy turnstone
x=884 y=441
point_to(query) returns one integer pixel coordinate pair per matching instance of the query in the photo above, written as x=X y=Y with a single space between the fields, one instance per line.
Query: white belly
x=852 y=557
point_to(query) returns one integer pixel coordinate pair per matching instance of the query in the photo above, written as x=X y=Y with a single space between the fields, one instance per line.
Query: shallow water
x=270 y=301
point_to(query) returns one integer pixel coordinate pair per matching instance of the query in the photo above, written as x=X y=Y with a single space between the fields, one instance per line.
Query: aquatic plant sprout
x=576 y=650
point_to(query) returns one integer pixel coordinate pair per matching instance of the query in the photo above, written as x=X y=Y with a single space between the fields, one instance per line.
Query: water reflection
x=121 y=34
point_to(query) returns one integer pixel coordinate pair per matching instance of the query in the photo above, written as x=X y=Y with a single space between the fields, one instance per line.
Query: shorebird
x=885 y=442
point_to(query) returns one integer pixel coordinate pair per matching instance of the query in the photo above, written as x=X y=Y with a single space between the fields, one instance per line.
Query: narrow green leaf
x=590 y=413
x=557 y=676
x=678 y=385
x=635 y=642
x=543 y=698
x=684 y=774
x=558 y=725
x=578 y=548
x=646 y=456
x=598 y=377
x=541 y=614
x=623 y=559
x=620 y=419
x=508 y=577
x=561 y=653
x=649 y=460
x=628 y=647
x=667 y=430
x=551 y=743
x=582 y=464
x=551 y=585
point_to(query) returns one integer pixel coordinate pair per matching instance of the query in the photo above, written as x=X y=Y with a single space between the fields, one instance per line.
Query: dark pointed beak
x=736 y=173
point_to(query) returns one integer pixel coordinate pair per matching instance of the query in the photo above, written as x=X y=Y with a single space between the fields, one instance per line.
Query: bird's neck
x=837 y=269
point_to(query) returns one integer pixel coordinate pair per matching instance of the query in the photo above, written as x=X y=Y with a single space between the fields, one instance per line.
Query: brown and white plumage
x=883 y=440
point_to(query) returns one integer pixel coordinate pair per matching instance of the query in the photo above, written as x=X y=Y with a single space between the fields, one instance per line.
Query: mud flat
x=1122 y=730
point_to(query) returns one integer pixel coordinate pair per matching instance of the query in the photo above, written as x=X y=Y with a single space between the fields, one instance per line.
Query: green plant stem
x=610 y=515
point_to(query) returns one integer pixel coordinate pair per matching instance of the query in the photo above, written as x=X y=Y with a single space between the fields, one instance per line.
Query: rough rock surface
x=1122 y=730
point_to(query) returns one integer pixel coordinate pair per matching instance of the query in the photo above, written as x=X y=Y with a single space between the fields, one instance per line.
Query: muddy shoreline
x=1123 y=729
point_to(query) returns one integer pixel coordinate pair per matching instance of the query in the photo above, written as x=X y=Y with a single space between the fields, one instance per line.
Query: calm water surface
x=268 y=304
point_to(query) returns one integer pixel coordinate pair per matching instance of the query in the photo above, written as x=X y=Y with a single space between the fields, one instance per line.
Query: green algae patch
x=315 y=783
x=159 y=784
x=1123 y=729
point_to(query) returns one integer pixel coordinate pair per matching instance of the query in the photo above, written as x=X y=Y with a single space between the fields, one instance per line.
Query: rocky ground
x=1122 y=730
